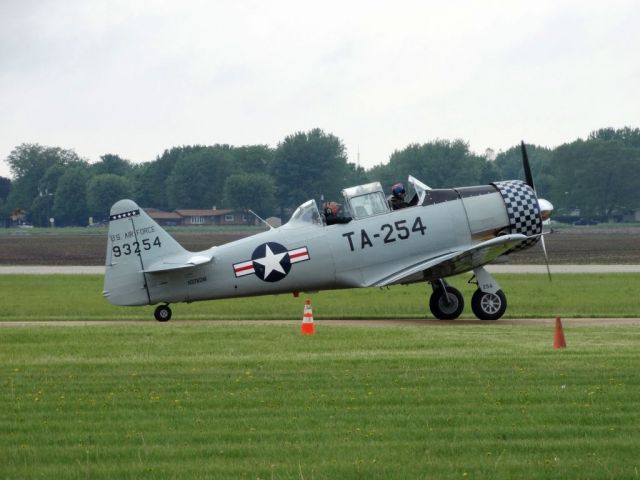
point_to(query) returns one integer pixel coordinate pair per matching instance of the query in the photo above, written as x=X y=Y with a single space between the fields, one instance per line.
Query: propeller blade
x=546 y=257
x=545 y=206
x=525 y=165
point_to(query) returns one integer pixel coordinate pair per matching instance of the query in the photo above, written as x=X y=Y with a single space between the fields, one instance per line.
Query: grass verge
x=169 y=401
x=78 y=297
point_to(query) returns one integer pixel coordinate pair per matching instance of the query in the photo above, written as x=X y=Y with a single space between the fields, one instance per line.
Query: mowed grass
x=183 y=401
x=79 y=297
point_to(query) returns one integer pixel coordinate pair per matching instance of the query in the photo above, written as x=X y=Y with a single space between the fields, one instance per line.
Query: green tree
x=308 y=165
x=29 y=164
x=49 y=181
x=355 y=175
x=488 y=171
x=599 y=177
x=105 y=190
x=250 y=191
x=439 y=164
x=70 y=200
x=43 y=206
x=627 y=136
x=509 y=167
x=5 y=188
x=113 y=164
x=198 y=177
x=150 y=179
x=252 y=159
x=41 y=210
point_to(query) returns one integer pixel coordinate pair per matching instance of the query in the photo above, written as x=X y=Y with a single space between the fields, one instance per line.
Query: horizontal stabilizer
x=177 y=262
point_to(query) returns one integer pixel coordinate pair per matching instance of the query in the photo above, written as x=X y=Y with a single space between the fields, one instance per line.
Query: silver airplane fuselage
x=448 y=232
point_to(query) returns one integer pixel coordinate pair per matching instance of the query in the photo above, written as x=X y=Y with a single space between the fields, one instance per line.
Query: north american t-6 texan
x=440 y=233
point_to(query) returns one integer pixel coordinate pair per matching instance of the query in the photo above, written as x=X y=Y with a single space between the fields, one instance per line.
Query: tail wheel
x=162 y=313
x=488 y=306
x=446 y=308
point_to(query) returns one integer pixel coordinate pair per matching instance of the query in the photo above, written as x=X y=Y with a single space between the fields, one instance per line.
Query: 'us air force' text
x=130 y=234
x=389 y=233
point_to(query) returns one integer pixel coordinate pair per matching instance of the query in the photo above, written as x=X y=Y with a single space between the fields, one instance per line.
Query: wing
x=452 y=263
x=177 y=262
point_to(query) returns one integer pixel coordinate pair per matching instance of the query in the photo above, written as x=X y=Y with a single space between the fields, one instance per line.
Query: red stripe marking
x=242 y=269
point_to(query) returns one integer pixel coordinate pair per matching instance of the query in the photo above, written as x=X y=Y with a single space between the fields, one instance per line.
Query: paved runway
x=99 y=270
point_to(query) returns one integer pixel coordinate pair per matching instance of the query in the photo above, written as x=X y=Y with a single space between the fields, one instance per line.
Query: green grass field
x=79 y=297
x=212 y=401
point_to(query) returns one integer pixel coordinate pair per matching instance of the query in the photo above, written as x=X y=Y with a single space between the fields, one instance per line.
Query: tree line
x=599 y=176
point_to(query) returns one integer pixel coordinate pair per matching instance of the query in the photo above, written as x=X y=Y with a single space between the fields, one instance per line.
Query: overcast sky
x=136 y=77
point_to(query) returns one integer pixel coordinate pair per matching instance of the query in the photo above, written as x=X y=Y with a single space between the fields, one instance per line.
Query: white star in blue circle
x=271 y=262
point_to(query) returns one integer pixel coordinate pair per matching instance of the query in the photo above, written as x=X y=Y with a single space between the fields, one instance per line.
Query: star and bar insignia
x=271 y=262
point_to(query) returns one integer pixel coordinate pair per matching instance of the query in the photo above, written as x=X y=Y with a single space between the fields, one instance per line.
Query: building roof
x=202 y=213
x=162 y=215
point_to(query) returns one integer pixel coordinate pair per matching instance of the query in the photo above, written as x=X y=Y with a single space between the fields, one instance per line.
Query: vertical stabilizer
x=135 y=241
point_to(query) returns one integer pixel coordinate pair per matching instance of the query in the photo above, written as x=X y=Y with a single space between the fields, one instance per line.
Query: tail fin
x=135 y=243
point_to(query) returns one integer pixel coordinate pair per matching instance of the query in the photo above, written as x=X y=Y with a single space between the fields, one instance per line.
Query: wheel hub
x=490 y=303
x=448 y=306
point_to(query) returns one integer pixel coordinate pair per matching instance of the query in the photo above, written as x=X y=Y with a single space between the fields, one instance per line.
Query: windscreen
x=307 y=213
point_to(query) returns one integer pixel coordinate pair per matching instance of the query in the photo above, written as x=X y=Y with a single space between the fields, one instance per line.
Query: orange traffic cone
x=558 y=338
x=308 y=328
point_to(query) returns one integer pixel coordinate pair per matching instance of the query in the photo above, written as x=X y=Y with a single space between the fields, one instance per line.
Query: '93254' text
x=134 y=248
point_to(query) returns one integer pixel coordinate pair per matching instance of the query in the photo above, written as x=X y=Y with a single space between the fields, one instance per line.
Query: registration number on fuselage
x=389 y=233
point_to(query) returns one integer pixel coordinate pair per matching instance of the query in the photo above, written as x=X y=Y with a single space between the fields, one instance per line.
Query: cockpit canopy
x=366 y=200
x=360 y=202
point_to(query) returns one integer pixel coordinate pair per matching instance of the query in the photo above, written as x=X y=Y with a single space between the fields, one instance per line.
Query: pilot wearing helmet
x=333 y=214
x=397 y=197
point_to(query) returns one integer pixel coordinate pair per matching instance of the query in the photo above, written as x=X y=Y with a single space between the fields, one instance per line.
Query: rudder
x=134 y=242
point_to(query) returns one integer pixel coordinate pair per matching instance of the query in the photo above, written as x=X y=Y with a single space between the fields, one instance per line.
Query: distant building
x=194 y=217
x=632 y=216
x=166 y=219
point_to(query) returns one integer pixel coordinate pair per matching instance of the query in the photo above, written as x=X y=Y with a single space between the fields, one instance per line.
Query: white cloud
x=134 y=78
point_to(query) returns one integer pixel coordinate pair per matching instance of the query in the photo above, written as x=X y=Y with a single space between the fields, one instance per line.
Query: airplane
x=444 y=232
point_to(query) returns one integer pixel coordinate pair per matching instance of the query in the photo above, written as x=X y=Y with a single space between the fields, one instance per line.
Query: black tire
x=162 y=313
x=443 y=310
x=488 y=306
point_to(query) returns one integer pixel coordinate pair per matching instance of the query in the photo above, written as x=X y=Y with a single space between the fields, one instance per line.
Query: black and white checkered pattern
x=523 y=210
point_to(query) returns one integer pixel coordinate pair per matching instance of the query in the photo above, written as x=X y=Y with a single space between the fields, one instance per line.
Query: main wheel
x=488 y=306
x=446 y=309
x=162 y=313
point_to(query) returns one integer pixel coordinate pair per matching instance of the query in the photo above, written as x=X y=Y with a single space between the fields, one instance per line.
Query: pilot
x=397 y=197
x=333 y=214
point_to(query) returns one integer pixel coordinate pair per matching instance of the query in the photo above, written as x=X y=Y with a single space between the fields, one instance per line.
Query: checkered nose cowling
x=523 y=210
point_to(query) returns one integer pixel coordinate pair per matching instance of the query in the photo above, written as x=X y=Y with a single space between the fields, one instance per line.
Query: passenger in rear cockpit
x=396 y=201
x=333 y=213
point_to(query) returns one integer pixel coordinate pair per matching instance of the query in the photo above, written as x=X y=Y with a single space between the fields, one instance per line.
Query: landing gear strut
x=488 y=301
x=162 y=313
